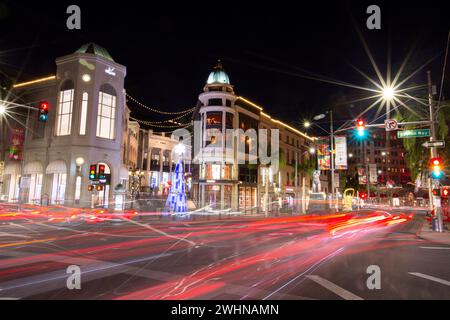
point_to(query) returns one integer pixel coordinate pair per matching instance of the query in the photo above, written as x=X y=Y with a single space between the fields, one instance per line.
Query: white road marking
x=436 y=248
x=347 y=295
x=9 y=298
x=425 y=276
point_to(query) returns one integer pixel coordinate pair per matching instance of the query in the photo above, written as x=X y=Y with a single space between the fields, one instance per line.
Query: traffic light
x=93 y=172
x=43 y=111
x=101 y=171
x=99 y=188
x=90 y=188
x=363 y=195
x=436 y=192
x=361 y=128
x=445 y=193
x=436 y=167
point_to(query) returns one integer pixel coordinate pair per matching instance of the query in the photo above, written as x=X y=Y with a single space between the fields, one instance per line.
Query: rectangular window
x=83 y=118
x=214 y=102
x=106 y=116
x=64 y=116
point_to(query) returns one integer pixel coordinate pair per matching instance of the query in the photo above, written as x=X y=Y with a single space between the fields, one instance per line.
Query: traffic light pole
x=435 y=200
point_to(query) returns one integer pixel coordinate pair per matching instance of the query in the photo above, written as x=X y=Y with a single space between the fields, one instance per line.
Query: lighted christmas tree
x=176 y=201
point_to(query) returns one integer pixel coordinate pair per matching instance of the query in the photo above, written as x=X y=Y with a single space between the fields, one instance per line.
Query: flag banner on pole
x=373 y=173
x=362 y=177
x=341 y=153
x=324 y=154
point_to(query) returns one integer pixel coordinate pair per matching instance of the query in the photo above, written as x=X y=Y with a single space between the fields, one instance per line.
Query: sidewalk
x=438 y=237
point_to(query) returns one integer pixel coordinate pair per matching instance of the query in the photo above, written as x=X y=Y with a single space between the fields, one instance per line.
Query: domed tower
x=217 y=165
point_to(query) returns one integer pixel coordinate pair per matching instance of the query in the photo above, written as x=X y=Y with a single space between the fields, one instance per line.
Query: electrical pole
x=436 y=200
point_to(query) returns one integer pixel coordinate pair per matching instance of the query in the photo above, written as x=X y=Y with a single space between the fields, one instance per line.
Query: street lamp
x=331 y=134
x=312 y=150
x=2 y=109
x=388 y=93
x=307 y=124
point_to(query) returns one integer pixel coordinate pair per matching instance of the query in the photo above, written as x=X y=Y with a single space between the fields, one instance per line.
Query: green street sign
x=417 y=133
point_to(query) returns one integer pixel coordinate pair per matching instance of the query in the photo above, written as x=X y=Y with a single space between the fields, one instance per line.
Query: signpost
x=416 y=133
x=391 y=125
x=434 y=144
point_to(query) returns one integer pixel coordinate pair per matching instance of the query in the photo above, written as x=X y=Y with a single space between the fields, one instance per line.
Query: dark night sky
x=170 y=49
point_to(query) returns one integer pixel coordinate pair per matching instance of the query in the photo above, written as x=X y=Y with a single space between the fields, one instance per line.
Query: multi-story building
x=220 y=180
x=156 y=160
x=86 y=125
x=385 y=151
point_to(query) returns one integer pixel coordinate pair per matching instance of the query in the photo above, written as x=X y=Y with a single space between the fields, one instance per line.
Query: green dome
x=218 y=75
x=93 y=48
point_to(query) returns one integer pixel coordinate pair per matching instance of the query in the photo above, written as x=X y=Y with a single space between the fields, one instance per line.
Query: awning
x=33 y=167
x=57 y=166
x=123 y=174
x=13 y=168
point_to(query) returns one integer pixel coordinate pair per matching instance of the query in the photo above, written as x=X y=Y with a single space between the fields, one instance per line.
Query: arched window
x=83 y=116
x=65 y=107
x=106 y=116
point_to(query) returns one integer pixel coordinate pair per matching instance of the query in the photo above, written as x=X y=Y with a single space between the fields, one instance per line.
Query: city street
x=240 y=257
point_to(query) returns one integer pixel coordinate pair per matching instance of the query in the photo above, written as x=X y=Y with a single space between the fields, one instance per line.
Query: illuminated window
x=83 y=118
x=214 y=118
x=106 y=116
x=215 y=169
x=64 y=114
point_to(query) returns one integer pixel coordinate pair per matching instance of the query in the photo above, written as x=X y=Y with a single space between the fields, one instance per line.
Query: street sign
x=391 y=125
x=416 y=133
x=434 y=144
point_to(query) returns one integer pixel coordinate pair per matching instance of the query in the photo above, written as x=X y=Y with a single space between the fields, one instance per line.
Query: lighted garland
x=149 y=123
x=158 y=111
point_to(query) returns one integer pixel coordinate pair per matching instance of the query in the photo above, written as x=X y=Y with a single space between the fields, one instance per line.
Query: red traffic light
x=43 y=111
x=363 y=195
x=360 y=123
x=43 y=105
x=436 y=162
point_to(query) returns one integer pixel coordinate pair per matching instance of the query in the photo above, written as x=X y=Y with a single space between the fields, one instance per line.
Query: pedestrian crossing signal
x=90 y=188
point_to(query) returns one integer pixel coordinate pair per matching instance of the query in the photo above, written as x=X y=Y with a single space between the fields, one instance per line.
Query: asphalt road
x=312 y=257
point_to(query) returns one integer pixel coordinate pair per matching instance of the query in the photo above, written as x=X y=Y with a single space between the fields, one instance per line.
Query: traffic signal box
x=436 y=168
x=43 y=111
x=93 y=172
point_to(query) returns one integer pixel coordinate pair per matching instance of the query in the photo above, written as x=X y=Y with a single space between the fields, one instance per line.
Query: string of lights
x=159 y=111
x=149 y=123
x=170 y=120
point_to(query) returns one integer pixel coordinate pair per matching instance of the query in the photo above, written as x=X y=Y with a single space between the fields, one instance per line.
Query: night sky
x=265 y=47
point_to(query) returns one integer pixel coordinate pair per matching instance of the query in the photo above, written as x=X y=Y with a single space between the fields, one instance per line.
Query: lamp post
x=308 y=124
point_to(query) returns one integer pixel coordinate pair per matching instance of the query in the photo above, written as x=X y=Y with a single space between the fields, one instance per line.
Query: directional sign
x=417 y=133
x=434 y=144
x=391 y=125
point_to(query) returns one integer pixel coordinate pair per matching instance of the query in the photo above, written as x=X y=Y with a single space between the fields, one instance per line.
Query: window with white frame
x=65 y=107
x=106 y=116
x=83 y=117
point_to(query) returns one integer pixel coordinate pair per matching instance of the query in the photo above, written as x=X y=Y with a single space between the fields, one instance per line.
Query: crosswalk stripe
x=425 y=276
x=347 y=295
x=436 y=248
